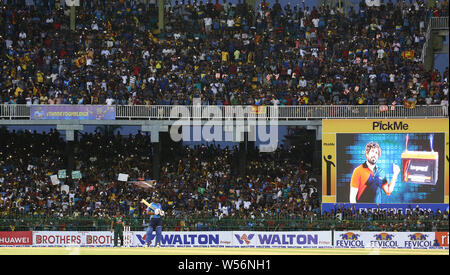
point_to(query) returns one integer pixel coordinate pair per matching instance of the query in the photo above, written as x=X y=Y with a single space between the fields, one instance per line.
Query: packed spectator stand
x=220 y=52
x=223 y=54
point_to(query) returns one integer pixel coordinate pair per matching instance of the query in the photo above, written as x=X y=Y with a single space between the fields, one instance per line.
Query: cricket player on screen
x=155 y=212
x=368 y=179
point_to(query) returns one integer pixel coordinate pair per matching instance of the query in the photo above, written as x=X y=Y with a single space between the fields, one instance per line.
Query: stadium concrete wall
x=242 y=239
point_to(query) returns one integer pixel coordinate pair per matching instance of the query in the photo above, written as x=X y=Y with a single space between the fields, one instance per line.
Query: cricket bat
x=157 y=211
x=147 y=204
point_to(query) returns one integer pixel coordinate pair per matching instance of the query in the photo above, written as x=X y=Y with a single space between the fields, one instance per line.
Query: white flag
x=54 y=179
x=65 y=188
x=123 y=177
x=372 y=3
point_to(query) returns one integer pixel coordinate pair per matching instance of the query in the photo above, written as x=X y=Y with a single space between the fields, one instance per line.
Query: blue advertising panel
x=75 y=112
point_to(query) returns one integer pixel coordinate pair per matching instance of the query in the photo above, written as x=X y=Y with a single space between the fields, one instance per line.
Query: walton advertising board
x=320 y=239
x=190 y=239
x=385 y=161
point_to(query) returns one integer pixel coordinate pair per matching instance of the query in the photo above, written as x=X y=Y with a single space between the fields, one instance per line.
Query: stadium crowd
x=200 y=188
x=220 y=52
x=189 y=176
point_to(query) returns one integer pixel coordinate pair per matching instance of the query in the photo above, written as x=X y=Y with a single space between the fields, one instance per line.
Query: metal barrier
x=209 y=112
x=439 y=23
x=14 y=111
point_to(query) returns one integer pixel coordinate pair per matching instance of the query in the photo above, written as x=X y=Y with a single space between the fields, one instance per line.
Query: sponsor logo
x=288 y=239
x=441 y=238
x=143 y=238
x=56 y=239
x=383 y=237
x=244 y=238
x=188 y=239
x=350 y=236
x=16 y=238
x=98 y=240
x=418 y=237
x=384 y=240
x=349 y=239
x=419 y=168
x=278 y=239
x=389 y=126
x=418 y=240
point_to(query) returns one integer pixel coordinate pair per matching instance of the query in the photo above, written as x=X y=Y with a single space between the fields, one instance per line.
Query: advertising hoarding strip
x=380 y=240
x=72 y=112
x=238 y=239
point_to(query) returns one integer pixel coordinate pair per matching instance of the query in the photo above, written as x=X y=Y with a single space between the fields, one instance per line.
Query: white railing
x=439 y=23
x=14 y=111
x=205 y=112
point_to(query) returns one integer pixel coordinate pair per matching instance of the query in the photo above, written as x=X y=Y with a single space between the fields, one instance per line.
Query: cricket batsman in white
x=155 y=211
